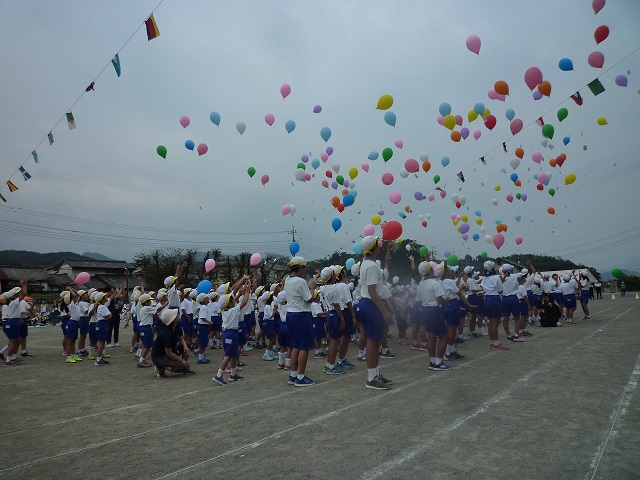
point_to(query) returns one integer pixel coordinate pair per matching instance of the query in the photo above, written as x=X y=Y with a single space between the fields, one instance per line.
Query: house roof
x=17 y=273
x=105 y=264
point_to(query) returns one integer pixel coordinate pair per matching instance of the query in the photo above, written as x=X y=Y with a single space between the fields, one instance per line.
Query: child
x=187 y=315
x=335 y=322
x=452 y=309
x=73 y=325
x=216 y=321
x=268 y=325
x=348 y=314
x=204 y=326
x=11 y=326
x=64 y=320
x=83 y=323
x=568 y=288
x=584 y=295
x=319 y=329
x=260 y=304
x=146 y=316
x=525 y=307
x=102 y=326
x=510 y=304
x=284 y=338
x=492 y=286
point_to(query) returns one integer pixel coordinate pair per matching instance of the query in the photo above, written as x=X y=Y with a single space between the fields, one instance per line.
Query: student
x=476 y=298
x=349 y=315
x=523 y=301
x=135 y=338
x=93 y=321
x=83 y=323
x=335 y=321
x=216 y=321
x=187 y=315
x=260 y=339
x=204 y=326
x=510 y=304
x=319 y=320
x=164 y=353
x=145 y=327
x=568 y=288
x=284 y=338
x=102 y=326
x=268 y=325
x=585 y=295
x=73 y=325
x=11 y=326
x=492 y=286
x=454 y=300
x=557 y=292
x=65 y=300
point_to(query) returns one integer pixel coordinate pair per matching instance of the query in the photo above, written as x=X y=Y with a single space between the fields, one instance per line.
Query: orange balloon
x=426 y=166
x=544 y=88
x=407 y=209
x=519 y=152
x=563 y=155
x=335 y=201
x=501 y=227
x=345 y=191
x=552 y=162
x=551 y=210
x=517 y=183
x=455 y=136
x=501 y=88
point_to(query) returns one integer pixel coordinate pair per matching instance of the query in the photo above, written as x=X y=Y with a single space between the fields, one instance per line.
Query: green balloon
x=562 y=114
x=552 y=192
x=547 y=131
x=616 y=272
x=452 y=260
x=424 y=251
x=251 y=171
x=484 y=255
x=301 y=165
x=436 y=178
x=340 y=179
x=518 y=196
x=162 y=151
x=387 y=153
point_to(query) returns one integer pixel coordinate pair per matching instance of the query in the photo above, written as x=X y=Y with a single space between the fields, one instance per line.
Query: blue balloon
x=445 y=161
x=514 y=177
x=350 y=263
x=294 y=247
x=325 y=133
x=518 y=218
x=347 y=200
x=510 y=114
x=290 y=126
x=373 y=155
x=189 y=144
x=353 y=192
x=336 y=223
x=566 y=65
x=204 y=286
x=535 y=176
x=445 y=109
x=566 y=140
x=215 y=118
x=476 y=237
x=478 y=213
x=498 y=221
x=357 y=248
x=479 y=108
x=315 y=163
x=390 y=118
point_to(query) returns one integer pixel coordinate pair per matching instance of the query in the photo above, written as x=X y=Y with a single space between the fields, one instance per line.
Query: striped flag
x=35 y=156
x=152 y=28
x=50 y=137
x=24 y=173
x=2 y=198
x=116 y=64
x=71 y=121
x=576 y=97
x=12 y=186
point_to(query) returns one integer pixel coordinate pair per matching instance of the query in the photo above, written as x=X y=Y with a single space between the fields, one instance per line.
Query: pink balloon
x=596 y=59
x=501 y=98
x=542 y=178
x=440 y=119
x=474 y=43
x=509 y=198
x=286 y=209
x=515 y=126
x=395 y=197
x=598 y=5
x=458 y=120
x=255 y=259
x=264 y=179
x=82 y=278
x=492 y=94
x=369 y=230
x=431 y=197
x=202 y=149
x=269 y=118
x=307 y=177
x=325 y=183
x=477 y=134
x=399 y=143
x=387 y=179
x=536 y=157
x=209 y=265
x=443 y=194
x=453 y=216
x=518 y=240
x=498 y=240
x=412 y=166
x=285 y=90
x=324 y=157
x=365 y=166
x=532 y=77
x=185 y=121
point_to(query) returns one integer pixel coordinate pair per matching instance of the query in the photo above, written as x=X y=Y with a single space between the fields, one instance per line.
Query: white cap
x=193 y=294
x=297 y=261
x=145 y=297
x=489 y=265
x=355 y=270
x=336 y=269
x=507 y=267
x=212 y=295
x=566 y=277
x=223 y=289
x=161 y=294
x=468 y=270
x=325 y=274
x=135 y=296
x=525 y=271
x=169 y=281
x=368 y=243
x=424 y=268
x=13 y=292
x=168 y=315
x=454 y=268
x=201 y=297
x=224 y=301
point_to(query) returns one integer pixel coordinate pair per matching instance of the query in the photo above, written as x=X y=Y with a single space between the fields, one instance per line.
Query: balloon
x=597 y=5
x=317 y=109
x=384 y=102
x=479 y=108
x=449 y=122
x=458 y=120
x=399 y=144
x=424 y=223
x=390 y=118
x=350 y=263
x=387 y=178
x=241 y=127
x=473 y=44
x=365 y=166
x=616 y=272
x=334 y=185
x=375 y=219
x=255 y=259
x=426 y=166
x=464 y=133
x=472 y=115
x=340 y=179
x=348 y=200
x=518 y=218
x=552 y=192
x=189 y=144
x=601 y=34
x=444 y=109
x=518 y=240
x=519 y=152
x=395 y=197
x=392 y=230
x=548 y=130
x=501 y=87
x=455 y=136
x=162 y=151
x=436 y=179
x=562 y=114
x=299 y=174
x=477 y=134
x=452 y=260
x=82 y=278
x=536 y=157
x=551 y=210
x=490 y=122
x=204 y=286
x=498 y=240
x=602 y=121
x=209 y=265
x=566 y=140
x=325 y=133
x=445 y=161
x=269 y=118
x=566 y=65
x=336 y=223
x=251 y=171
x=509 y=198
x=412 y=165
x=514 y=176
x=294 y=247
x=542 y=178
x=293 y=208
x=510 y=114
x=596 y=59
x=552 y=162
x=621 y=81
x=372 y=156
x=264 y=179
x=215 y=118
x=515 y=126
x=387 y=153
x=357 y=248
x=290 y=126
x=353 y=173
x=464 y=228
x=486 y=113
x=315 y=163
x=537 y=95
x=440 y=119
x=569 y=179
x=494 y=201
x=532 y=77
x=202 y=149
x=544 y=88
x=286 y=209
x=185 y=121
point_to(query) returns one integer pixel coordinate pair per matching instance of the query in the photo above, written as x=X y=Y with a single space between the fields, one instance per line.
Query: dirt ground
x=564 y=405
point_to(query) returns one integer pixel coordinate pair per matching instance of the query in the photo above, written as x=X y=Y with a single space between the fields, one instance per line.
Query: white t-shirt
x=103 y=312
x=428 y=292
x=492 y=285
x=24 y=306
x=93 y=313
x=510 y=285
x=204 y=316
x=370 y=274
x=282 y=310
x=584 y=284
x=548 y=286
x=186 y=305
x=316 y=309
x=557 y=288
x=332 y=296
x=231 y=318
x=260 y=302
x=74 y=310
x=449 y=288
x=196 y=310
x=474 y=288
x=268 y=312
x=356 y=295
x=146 y=315
x=528 y=283
x=84 y=308
x=569 y=288
x=174 y=297
x=298 y=295
x=5 y=312
x=214 y=308
x=345 y=294
x=14 y=308
x=521 y=292
x=536 y=288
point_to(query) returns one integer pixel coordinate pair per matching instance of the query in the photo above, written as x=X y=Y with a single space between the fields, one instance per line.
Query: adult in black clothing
x=115 y=307
x=164 y=353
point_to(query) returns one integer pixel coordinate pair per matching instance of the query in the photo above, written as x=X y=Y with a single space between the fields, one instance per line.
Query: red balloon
x=424 y=223
x=458 y=204
x=329 y=174
x=540 y=186
x=490 y=122
x=341 y=207
x=392 y=230
x=601 y=34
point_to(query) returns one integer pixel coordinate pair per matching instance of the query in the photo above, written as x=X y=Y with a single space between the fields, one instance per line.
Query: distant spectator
x=598 y=286
x=623 y=288
x=115 y=307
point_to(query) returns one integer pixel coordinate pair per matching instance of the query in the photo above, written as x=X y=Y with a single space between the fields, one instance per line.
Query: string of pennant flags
x=152 y=32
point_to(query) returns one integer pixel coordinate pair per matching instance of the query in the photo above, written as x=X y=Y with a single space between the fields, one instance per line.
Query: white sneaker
x=116 y=344
x=109 y=345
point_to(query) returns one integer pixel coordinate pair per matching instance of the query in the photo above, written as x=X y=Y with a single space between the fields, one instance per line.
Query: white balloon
x=293 y=210
x=482 y=229
x=396 y=280
x=454 y=197
x=488 y=238
x=420 y=217
x=241 y=127
x=494 y=201
x=424 y=157
x=408 y=247
x=404 y=173
x=544 y=143
x=428 y=216
x=352 y=184
x=462 y=199
x=300 y=173
x=335 y=167
x=515 y=162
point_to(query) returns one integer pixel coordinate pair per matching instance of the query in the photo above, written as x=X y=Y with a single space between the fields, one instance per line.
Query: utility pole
x=293 y=233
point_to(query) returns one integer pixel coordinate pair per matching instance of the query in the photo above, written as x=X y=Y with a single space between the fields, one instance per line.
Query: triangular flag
x=2 y=198
x=504 y=146
x=116 y=64
x=24 y=173
x=35 y=156
x=461 y=176
x=91 y=87
x=11 y=185
x=71 y=121
x=596 y=87
x=152 y=28
x=540 y=121
x=576 y=97
x=484 y=162
x=50 y=137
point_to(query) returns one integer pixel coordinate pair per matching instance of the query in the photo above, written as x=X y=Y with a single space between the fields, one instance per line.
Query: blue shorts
x=217 y=323
x=371 y=319
x=136 y=325
x=24 y=328
x=250 y=320
x=146 y=335
x=84 y=325
x=570 y=300
x=534 y=299
x=230 y=343
x=333 y=325
x=401 y=320
x=102 y=327
x=203 y=335
x=269 y=327
x=417 y=315
x=558 y=298
x=348 y=323
x=186 y=323
x=93 y=332
x=11 y=328
x=510 y=306
x=63 y=326
x=284 y=339
x=242 y=332
x=72 y=330
x=584 y=296
x=434 y=321
x=300 y=326
x=478 y=301
x=493 y=306
x=452 y=312
x=261 y=319
x=319 y=331
x=524 y=308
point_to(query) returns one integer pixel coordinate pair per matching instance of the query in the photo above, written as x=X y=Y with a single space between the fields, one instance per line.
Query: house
x=72 y=268
x=40 y=281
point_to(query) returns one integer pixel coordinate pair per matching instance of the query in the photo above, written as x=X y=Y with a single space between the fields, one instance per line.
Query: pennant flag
x=50 y=137
x=2 y=198
x=11 y=185
x=24 y=173
x=540 y=122
x=461 y=176
x=71 y=121
x=484 y=162
x=90 y=87
x=152 y=28
x=576 y=97
x=596 y=87
x=439 y=189
x=504 y=146
x=116 y=64
x=35 y=156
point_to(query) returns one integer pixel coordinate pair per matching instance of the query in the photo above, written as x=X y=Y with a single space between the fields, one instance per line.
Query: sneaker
x=109 y=345
x=219 y=380
x=136 y=357
x=377 y=384
x=498 y=346
x=268 y=357
x=384 y=380
x=116 y=344
x=453 y=356
x=292 y=380
x=333 y=371
x=362 y=358
x=404 y=341
x=101 y=363
x=11 y=363
x=526 y=334
x=287 y=367
x=78 y=359
x=515 y=338
x=235 y=378
x=281 y=366
x=71 y=360
x=346 y=364
x=143 y=365
x=228 y=369
x=91 y=357
x=26 y=354
x=416 y=346
x=305 y=382
x=443 y=367
x=203 y=360
x=132 y=350
x=83 y=353
x=259 y=346
x=248 y=348
x=64 y=353
x=276 y=349
x=106 y=355
x=571 y=321
x=320 y=355
x=387 y=355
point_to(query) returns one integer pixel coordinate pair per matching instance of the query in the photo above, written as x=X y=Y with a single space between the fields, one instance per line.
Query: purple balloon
x=523 y=197
x=447 y=253
x=464 y=132
x=418 y=196
x=381 y=212
x=464 y=228
x=334 y=185
x=305 y=158
x=317 y=109
x=621 y=81
x=346 y=183
x=329 y=150
x=537 y=95
x=465 y=237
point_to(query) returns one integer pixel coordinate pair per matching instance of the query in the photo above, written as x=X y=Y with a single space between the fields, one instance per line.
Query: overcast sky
x=103 y=188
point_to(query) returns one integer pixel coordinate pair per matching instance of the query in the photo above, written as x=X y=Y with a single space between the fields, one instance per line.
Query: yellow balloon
x=455 y=221
x=449 y=121
x=385 y=102
x=399 y=240
x=376 y=219
x=353 y=172
x=486 y=113
x=602 y=121
x=497 y=188
x=569 y=179
x=479 y=221
x=472 y=115
x=458 y=228
x=464 y=218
